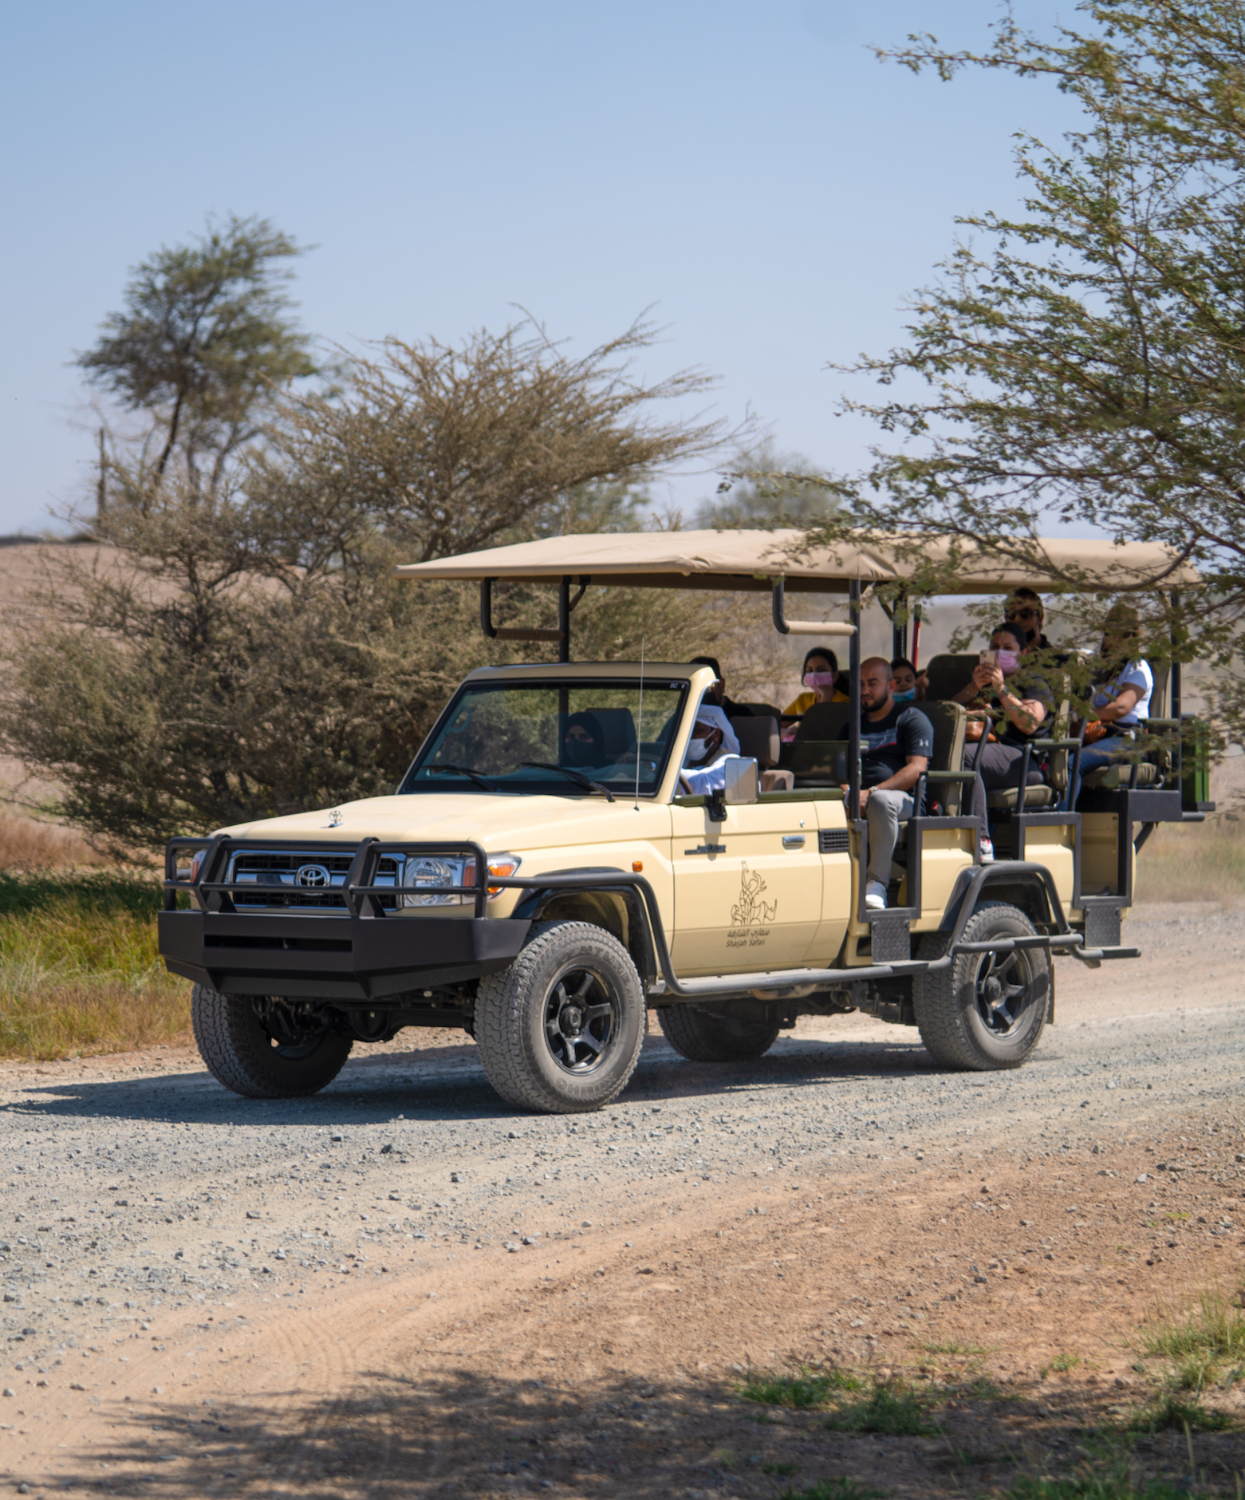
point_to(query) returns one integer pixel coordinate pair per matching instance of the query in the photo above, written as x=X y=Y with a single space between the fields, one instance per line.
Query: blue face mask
x=908 y=697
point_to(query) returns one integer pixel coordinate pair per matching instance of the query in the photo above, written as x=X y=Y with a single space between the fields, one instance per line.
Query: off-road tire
x=960 y=1022
x=715 y=1039
x=531 y=1052
x=240 y=1054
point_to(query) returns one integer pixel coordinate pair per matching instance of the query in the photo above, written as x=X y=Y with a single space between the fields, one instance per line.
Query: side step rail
x=1063 y=942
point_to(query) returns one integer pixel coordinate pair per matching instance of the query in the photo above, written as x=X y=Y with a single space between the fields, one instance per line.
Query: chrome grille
x=303 y=880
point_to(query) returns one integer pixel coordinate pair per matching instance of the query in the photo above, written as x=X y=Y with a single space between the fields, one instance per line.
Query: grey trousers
x=884 y=810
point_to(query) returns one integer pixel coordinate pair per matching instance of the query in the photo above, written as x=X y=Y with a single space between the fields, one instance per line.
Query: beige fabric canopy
x=751 y=560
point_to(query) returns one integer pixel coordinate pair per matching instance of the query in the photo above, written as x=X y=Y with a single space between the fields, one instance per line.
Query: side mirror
x=743 y=781
x=743 y=786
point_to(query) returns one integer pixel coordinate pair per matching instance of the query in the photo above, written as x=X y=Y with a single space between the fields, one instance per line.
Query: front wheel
x=262 y=1049
x=985 y=1010
x=705 y=1038
x=560 y=1029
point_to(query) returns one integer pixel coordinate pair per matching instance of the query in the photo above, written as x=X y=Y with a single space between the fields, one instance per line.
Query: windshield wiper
x=462 y=771
x=584 y=781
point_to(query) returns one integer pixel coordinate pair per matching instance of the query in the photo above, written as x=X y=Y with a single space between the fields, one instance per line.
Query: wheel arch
x=1026 y=886
x=618 y=911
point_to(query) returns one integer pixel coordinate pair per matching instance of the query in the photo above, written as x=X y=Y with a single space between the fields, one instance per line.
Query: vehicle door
x=747 y=891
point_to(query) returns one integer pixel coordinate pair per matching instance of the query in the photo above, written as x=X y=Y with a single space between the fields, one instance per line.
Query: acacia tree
x=1086 y=359
x=204 y=339
x=764 y=489
x=242 y=648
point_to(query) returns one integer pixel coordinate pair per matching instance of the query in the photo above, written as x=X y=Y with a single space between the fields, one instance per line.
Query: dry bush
x=27 y=844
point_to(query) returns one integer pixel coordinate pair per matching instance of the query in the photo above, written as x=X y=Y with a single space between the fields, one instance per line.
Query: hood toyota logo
x=312 y=877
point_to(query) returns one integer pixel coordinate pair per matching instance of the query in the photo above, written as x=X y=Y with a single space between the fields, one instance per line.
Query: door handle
x=793 y=841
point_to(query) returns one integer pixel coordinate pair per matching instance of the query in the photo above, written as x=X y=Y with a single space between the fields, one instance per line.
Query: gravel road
x=136 y=1184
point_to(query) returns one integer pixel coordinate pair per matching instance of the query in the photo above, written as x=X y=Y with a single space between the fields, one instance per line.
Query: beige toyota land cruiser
x=540 y=879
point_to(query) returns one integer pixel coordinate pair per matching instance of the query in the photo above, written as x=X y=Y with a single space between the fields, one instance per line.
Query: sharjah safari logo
x=751 y=910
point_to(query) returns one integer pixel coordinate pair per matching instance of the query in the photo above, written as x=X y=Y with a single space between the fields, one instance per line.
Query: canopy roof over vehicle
x=751 y=560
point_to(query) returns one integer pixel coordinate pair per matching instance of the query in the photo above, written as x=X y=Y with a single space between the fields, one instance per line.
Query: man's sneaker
x=987 y=852
x=875 y=896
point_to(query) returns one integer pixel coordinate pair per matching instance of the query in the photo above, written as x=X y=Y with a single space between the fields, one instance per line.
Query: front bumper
x=338 y=959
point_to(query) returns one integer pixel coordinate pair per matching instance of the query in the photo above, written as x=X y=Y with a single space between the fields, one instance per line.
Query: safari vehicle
x=547 y=908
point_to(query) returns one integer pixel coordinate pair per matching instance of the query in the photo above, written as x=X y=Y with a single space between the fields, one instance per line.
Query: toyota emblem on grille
x=312 y=877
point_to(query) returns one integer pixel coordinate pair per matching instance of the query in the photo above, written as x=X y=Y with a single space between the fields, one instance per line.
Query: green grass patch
x=1097 y=1487
x=784 y=1468
x=893 y=1410
x=95 y=890
x=802 y=1392
x=838 y=1488
x=1211 y=1328
x=79 y=967
x=1181 y=1414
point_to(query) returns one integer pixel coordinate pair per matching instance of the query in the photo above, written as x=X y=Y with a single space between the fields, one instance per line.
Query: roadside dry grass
x=28 y=844
x=79 y=969
x=1194 y=861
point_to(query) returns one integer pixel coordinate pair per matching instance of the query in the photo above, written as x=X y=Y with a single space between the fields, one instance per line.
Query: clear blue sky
x=749 y=168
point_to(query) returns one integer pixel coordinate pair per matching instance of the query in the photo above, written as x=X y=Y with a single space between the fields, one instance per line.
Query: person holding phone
x=1008 y=706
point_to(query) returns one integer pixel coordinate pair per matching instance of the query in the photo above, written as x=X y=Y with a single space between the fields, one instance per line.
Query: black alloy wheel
x=581 y=1021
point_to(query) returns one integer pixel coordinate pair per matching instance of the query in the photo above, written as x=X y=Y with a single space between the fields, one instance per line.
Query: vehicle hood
x=500 y=823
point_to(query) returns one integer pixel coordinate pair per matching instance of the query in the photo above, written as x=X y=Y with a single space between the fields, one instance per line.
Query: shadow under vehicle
x=545 y=901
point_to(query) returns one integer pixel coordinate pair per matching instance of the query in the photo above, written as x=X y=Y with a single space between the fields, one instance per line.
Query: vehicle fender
x=619 y=910
x=1017 y=882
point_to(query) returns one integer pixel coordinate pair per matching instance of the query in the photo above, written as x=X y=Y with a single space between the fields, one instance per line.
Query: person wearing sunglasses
x=1025 y=609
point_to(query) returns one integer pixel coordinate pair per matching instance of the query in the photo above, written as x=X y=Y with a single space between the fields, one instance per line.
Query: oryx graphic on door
x=751 y=911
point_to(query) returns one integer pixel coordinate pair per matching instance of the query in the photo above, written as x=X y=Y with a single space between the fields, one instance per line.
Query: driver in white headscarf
x=712 y=740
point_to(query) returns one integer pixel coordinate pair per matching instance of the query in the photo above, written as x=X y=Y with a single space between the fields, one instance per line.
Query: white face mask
x=698 y=749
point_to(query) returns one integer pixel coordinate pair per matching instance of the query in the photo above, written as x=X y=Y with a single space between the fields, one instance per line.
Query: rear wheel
x=701 y=1037
x=263 y=1049
x=986 y=1010
x=560 y=1029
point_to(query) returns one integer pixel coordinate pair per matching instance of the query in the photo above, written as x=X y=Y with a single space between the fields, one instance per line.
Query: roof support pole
x=1174 y=671
x=564 y=617
x=853 y=712
x=899 y=627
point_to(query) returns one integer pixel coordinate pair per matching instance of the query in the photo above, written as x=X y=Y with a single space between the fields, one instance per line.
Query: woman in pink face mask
x=1010 y=705
x=821 y=671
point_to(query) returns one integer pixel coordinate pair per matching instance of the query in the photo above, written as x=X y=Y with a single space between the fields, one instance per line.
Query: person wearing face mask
x=1010 y=704
x=908 y=685
x=821 y=671
x=583 y=742
x=712 y=740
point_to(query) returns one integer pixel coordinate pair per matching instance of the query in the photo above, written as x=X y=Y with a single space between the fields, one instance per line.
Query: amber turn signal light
x=637 y=865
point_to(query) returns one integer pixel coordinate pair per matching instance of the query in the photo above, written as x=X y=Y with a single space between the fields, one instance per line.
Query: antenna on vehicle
x=639 y=739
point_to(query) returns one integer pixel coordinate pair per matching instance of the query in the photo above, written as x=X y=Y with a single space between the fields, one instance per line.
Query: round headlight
x=428 y=878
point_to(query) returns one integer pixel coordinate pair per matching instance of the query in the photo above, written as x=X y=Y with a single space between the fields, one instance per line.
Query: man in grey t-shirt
x=895 y=747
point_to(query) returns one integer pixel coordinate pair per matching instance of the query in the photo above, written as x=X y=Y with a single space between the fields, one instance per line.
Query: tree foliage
x=764 y=489
x=1085 y=360
x=241 y=648
x=204 y=339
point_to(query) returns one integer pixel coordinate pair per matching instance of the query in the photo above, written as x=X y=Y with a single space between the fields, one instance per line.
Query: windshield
x=552 y=738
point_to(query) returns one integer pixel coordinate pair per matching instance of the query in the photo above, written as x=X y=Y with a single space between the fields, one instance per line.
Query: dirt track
x=403 y=1287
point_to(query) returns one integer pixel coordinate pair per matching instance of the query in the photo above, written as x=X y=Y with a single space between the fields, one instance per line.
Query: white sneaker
x=875 y=896
x=987 y=851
